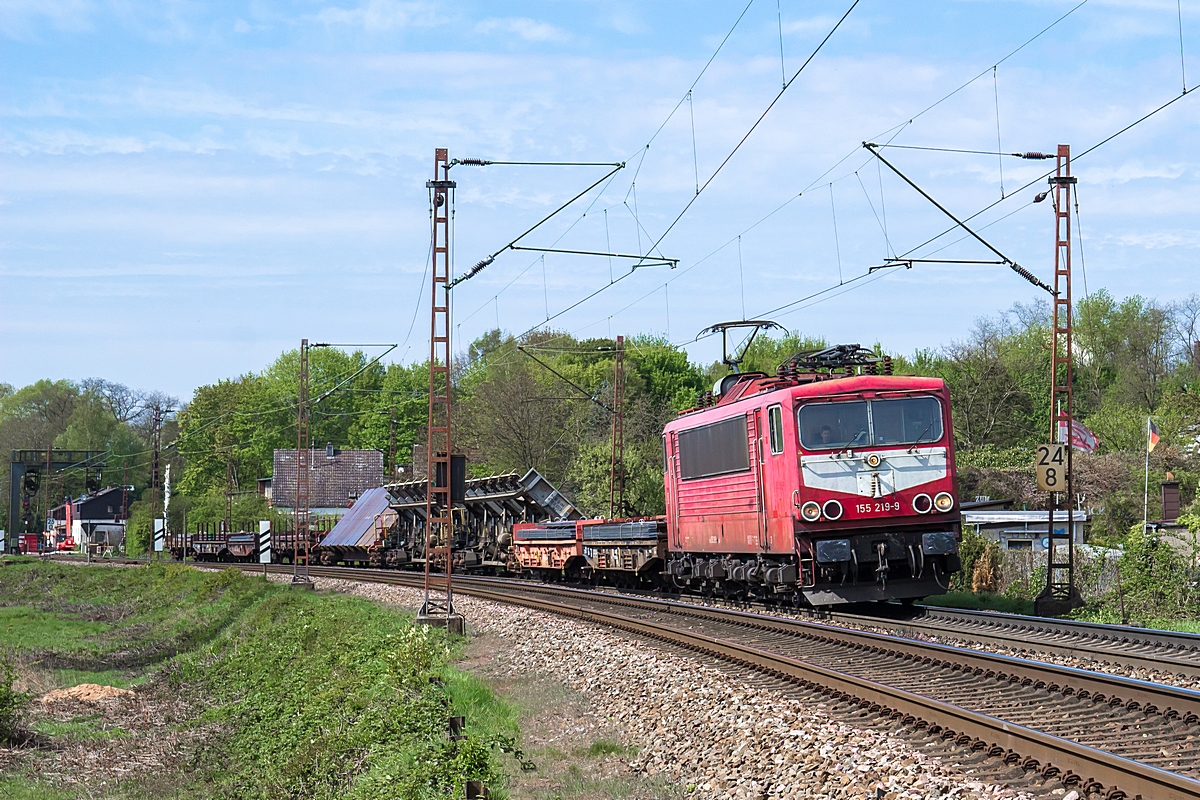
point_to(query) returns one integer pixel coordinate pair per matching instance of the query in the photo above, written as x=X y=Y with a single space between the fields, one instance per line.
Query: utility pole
x=125 y=489
x=391 y=452
x=616 y=478
x=1061 y=594
x=156 y=420
x=229 y=490
x=438 y=606
x=300 y=549
x=44 y=534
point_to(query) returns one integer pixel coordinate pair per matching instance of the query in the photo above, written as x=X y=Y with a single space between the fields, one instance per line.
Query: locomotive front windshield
x=908 y=420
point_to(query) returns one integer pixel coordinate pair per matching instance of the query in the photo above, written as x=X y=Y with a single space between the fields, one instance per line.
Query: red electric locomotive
x=828 y=483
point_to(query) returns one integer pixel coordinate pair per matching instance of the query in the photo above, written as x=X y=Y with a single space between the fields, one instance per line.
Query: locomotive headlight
x=810 y=511
x=832 y=509
x=944 y=502
x=873 y=460
x=922 y=504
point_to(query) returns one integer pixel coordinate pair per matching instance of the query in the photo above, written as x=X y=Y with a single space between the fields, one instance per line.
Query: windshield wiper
x=919 y=438
x=850 y=444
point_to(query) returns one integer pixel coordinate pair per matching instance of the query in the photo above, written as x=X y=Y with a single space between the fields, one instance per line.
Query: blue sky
x=187 y=189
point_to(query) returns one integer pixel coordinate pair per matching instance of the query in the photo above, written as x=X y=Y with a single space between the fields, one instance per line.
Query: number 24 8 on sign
x=1052 y=467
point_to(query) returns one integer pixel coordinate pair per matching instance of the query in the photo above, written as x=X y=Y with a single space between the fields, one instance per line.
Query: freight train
x=832 y=481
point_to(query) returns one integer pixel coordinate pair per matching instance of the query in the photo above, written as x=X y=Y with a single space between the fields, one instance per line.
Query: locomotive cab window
x=906 y=420
x=909 y=420
x=775 y=423
x=825 y=426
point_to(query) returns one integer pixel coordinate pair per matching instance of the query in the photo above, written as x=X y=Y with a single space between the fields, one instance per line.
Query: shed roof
x=1003 y=517
x=333 y=482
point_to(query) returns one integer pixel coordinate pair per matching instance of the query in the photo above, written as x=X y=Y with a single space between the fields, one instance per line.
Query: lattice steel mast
x=300 y=550
x=438 y=605
x=1061 y=594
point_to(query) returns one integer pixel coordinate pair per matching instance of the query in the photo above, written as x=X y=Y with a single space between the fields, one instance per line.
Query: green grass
x=89 y=728
x=108 y=677
x=24 y=628
x=308 y=695
x=606 y=747
x=1109 y=616
x=981 y=602
x=17 y=788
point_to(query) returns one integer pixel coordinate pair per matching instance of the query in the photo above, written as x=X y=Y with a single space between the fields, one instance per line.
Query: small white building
x=1023 y=530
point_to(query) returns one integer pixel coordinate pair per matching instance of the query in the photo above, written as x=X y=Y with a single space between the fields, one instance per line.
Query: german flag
x=1152 y=429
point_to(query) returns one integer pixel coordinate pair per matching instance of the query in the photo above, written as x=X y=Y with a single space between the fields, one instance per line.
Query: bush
x=12 y=703
x=1157 y=581
x=970 y=549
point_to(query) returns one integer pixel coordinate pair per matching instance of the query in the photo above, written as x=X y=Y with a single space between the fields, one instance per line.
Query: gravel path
x=701 y=727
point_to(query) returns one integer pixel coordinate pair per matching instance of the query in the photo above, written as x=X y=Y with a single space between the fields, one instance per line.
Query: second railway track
x=1104 y=735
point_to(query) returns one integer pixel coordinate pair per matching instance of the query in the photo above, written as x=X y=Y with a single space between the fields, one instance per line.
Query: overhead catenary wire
x=999 y=147
x=1048 y=173
x=893 y=132
x=723 y=163
x=902 y=126
x=1013 y=265
x=1182 y=62
x=757 y=122
x=837 y=247
x=483 y=264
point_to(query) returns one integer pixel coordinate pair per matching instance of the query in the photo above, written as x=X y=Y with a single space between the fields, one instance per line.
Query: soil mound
x=87 y=692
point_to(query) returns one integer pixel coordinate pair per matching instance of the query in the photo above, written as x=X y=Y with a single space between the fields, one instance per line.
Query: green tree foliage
x=230 y=430
x=543 y=402
x=94 y=414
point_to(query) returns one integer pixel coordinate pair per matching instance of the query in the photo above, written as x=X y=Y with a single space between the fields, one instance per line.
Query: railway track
x=1140 y=648
x=1103 y=735
x=1098 y=733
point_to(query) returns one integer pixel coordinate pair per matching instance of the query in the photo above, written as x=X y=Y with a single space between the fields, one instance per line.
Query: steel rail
x=1071 y=762
x=1167 y=651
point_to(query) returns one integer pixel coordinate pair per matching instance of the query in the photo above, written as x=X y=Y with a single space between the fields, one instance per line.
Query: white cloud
x=18 y=17
x=378 y=16
x=528 y=29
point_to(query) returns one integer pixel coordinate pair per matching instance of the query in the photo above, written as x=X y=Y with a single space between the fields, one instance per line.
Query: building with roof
x=337 y=478
x=98 y=518
x=1022 y=530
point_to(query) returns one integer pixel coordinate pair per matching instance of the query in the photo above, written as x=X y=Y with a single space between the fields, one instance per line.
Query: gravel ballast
x=700 y=727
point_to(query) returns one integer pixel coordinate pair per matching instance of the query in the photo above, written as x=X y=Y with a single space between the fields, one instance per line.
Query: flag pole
x=1146 y=490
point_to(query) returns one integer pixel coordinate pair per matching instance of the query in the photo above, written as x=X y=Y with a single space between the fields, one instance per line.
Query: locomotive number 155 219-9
x=877 y=508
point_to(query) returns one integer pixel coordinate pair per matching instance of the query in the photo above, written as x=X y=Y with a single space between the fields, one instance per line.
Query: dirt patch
x=577 y=750
x=85 y=692
x=93 y=737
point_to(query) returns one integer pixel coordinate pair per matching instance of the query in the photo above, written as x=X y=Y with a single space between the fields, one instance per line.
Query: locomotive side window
x=666 y=460
x=910 y=420
x=715 y=449
x=825 y=426
x=775 y=423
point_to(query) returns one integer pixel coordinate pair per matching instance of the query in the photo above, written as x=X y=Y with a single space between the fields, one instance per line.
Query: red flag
x=1154 y=437
x=1081 y=438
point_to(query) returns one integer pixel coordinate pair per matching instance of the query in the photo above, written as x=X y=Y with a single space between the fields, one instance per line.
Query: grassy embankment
x=289 y=693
